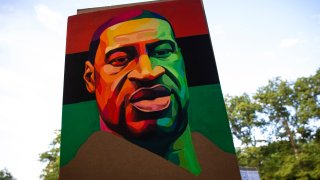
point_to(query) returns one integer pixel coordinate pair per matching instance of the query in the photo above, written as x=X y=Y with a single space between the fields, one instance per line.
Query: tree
x=275 y=160
x=290 y=106
x=242 y=114
x=291 y=111
x=277 y=101
x=6 y=175
x=307 y=103
x=52 y=158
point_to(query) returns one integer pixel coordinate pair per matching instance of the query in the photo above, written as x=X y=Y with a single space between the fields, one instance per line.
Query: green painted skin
x=164 y=122
x=183 y=153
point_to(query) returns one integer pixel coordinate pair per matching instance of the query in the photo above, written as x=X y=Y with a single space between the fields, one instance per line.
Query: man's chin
x=152 y=128
x=139 y=128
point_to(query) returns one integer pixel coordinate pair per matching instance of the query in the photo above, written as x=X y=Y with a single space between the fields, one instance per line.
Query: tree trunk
x=291 y=137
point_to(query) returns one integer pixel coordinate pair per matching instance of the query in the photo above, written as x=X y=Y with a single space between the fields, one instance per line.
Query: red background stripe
x=186 y=16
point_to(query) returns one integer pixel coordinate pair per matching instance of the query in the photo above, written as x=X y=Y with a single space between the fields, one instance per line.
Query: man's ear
x=88 y=77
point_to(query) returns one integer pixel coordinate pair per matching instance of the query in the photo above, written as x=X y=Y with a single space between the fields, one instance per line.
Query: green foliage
x=277 y=101
x=52 y=158
x=6 y=175
x=307 y=96
x=287 y=114
x=243 y=118
x=275 y=160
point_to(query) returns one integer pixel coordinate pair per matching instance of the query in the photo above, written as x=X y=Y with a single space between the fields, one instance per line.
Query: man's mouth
x=151 y=99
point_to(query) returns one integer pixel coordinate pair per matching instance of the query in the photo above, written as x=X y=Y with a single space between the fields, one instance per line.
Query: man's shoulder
x=106 y=155
x=214 y=161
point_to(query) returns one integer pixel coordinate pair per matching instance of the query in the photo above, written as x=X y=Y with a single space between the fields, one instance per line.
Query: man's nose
x=144 y=70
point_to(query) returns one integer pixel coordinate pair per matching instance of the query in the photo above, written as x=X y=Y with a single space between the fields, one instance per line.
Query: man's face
x=140 y=82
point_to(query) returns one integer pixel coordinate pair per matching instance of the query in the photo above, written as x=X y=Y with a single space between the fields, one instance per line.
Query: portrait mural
x=142 y=97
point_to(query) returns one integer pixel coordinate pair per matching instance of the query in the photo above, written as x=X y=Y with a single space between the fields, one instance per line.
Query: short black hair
x=129 y=15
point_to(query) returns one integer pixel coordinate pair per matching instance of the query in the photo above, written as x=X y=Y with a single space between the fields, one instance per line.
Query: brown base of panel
x=105 y=156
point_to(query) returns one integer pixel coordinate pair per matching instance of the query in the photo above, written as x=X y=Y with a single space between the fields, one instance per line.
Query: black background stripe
x=197 y=53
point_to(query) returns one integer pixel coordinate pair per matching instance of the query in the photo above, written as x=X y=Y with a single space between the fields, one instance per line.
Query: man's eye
x=118 y=59
x=163 y=50
x=162 y=53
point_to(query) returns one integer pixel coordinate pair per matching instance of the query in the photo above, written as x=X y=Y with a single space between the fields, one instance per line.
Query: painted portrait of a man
x=137 y=73
x=142 y=98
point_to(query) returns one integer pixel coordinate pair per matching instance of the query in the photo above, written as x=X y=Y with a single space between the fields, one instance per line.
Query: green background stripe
x=207 y=115
x=79 y=121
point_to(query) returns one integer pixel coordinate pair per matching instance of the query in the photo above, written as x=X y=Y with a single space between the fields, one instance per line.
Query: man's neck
x=181 y=152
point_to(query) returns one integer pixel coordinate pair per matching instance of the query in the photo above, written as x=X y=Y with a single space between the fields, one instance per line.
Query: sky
x=253 y=42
